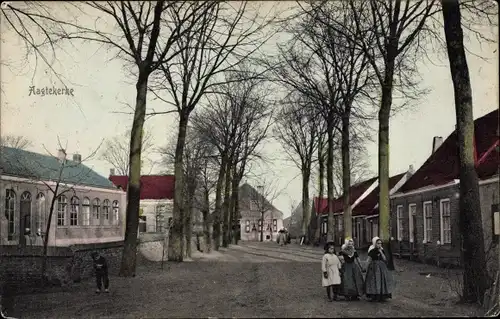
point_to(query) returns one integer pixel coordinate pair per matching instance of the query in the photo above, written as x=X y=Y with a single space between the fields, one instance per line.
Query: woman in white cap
x=378 y=282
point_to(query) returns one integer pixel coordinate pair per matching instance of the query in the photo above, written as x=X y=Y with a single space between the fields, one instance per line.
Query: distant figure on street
x=101 y=272
x=281 y=237
x=378 y=282
x=352 y=275
x=330 y=266
x=287 y=236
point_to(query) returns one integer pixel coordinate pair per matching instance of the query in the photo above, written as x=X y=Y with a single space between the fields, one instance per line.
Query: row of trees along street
x=343 y=64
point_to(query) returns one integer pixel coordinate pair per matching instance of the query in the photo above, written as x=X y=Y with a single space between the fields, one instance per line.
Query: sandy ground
x=247 y=280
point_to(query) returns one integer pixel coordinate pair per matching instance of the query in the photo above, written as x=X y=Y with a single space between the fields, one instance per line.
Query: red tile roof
x=152 y=186
x=443 y=167
x=367 y=205
x=356 y=190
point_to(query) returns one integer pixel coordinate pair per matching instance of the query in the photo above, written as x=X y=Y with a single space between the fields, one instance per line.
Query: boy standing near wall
x=101 y=272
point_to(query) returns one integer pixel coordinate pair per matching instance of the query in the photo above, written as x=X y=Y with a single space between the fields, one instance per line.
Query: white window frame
x=116 y=212
x=62 y=210
x=86 y=211
x=426 y=240
x=275 y=225
x=441 y=224
x=10 y=211
x=40 y=212
x=399 y=224
x=74 y=211
x=247 y=226
x=411 y=227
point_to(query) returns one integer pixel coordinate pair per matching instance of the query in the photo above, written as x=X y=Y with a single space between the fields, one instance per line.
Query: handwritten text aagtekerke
x=50 y=91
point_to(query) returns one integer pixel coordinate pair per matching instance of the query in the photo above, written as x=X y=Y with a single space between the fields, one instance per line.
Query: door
x=25 y=218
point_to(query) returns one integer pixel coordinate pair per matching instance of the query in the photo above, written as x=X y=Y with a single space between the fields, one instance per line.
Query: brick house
x=88 y=208
x=425 y=219
x=157 y=200
x=251 y=204
x=366 y=214
x=320 y=207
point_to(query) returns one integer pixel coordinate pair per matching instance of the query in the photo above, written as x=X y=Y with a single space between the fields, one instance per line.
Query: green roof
x=21 y=163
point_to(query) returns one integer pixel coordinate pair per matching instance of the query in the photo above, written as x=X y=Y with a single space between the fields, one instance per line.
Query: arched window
x=73 y=214
x=25 y=212
x=105 y=211
x=40 y=212
x=10 y=205
x=96 y=207
x=86 y=212
x=62 y=206
x=116 y=212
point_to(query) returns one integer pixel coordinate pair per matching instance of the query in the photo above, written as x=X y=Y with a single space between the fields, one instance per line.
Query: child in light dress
x=330 y=266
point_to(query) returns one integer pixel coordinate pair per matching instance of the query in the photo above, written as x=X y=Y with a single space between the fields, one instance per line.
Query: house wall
x=21 y=267
x=253 y=218
x=99 y=231
x=148 y=207
x=431 y=251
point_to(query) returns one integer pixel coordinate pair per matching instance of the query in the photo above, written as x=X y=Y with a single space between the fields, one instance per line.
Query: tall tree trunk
x=127 y=268
x=188 y=229
x=329 y=182
x=218 y=205
x=306 y=209
x=321 y=168
x=206 y=222
x=232 y=208
x=236 y=207
x=475 y=273
x=47 y=230
x=383 y=157
x=176 y=238
x=346 y=175
x=226 y=205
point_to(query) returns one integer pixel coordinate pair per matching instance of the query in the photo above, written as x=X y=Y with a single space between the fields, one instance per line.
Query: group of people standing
x=283 y=237
x=343 y=273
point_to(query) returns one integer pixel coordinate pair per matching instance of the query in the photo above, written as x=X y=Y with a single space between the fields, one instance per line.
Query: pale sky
x=101 y=86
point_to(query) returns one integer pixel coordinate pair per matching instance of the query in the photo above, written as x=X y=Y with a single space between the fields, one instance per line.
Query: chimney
x=436 y=143
x=111 y=171
x=77 y=158
x=411 y=170
x=61 y=154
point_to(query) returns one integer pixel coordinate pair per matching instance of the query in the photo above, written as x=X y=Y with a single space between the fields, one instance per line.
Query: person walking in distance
x=378 y=282
x=101 y=272
x=330 y=266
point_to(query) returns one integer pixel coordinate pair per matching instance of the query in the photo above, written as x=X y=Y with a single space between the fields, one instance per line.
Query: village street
x=248 y=280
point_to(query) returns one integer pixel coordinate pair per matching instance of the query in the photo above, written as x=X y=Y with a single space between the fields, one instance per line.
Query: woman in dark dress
x=352 y=275
x=378 y=282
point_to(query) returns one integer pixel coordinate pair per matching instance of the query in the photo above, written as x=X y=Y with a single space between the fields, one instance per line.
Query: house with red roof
x=364 y=203
x=365 y=213
x=426 y=208
x=157 y=200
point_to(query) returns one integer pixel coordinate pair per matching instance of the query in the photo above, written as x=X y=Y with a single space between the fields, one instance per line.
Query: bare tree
x=386 y=33
x=266 y=193
x=225 y=36
x=230 y=123
x=15 y=141
x=475 y=275
x=297 y=130
x=144 y=37
x=197 y=154
x=116 y=151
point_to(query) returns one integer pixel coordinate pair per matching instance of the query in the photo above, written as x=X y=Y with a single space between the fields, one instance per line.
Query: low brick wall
x=22 y=267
